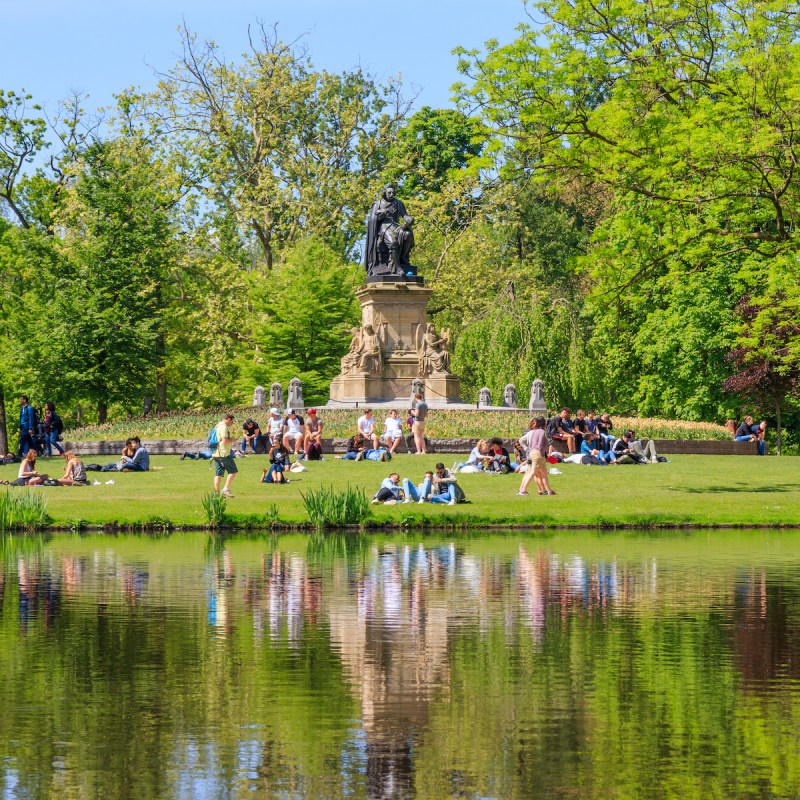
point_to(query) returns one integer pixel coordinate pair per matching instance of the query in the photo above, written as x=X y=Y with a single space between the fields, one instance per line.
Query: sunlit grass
x=689 y=489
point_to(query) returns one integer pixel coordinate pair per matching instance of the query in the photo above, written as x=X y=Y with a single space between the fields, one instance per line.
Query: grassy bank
x=442 y=424
x=696 y=490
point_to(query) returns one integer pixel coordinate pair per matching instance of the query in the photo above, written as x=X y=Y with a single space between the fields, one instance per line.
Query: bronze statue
x=390 y=237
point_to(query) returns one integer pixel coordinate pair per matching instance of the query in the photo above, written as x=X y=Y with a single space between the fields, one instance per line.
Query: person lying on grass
x=629 y=450
x=280 y=462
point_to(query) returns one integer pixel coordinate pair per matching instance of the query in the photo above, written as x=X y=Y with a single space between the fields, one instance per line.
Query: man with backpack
x=27 y=426
x=220 y=440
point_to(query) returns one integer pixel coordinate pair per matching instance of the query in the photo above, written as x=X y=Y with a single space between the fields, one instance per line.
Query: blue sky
x=51 y=47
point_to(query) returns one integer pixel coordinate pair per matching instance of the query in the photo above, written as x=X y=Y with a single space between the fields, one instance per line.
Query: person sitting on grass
x=477 y=459
x=75 y=471
x=629 y=450
x=280 y=461
x=355 y=447
x=438 y=487
x=393 y=431
x=390 y=491
x=28 y=475
x=591 y=447
x=499 y=459
x=534 y=443
x=313 y=437
x=140 y=461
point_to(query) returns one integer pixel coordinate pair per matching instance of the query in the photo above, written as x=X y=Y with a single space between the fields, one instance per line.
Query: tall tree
x=287 y=150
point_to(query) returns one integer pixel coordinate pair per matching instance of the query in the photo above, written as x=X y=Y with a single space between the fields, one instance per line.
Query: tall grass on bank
x=329 y=508
x=22 y=511
x=215 y=507
x=341 y=423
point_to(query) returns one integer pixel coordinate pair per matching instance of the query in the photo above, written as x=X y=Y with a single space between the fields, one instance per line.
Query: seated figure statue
x=434 y=355
x=390 y=237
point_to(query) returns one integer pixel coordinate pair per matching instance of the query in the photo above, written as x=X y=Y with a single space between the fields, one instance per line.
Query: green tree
x=97 y=334
x=299 y=320
x=286 y=150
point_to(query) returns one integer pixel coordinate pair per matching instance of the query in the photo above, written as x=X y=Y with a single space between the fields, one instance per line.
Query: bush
x=328 y=508
x=215 y=506
x=26 y=512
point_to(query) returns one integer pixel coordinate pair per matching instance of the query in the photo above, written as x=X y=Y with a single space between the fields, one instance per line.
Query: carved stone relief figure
x=370 y=358
x=434 y=351
x=350 y=361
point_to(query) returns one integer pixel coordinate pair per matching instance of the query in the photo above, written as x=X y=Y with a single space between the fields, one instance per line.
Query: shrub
x=26 y=512
x=215 y=506
x=329 y=508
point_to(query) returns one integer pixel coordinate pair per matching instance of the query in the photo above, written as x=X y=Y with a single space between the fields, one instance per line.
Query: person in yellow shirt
x=223 y=456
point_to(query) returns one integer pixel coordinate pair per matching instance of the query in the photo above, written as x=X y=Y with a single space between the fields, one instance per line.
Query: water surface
x=576 y=665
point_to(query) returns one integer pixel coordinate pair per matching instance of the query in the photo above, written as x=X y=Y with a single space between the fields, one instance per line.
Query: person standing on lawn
x=534 y=443
x=420 y=412
x=223 y=456
x=27 y=422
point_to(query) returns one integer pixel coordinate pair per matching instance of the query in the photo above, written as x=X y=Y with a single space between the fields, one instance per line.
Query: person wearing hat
x=293 y=431
x=313 y=437
x=251 y=431
x=274 y=424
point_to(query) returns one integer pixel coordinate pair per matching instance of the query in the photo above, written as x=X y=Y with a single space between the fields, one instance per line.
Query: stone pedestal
x=397 y=312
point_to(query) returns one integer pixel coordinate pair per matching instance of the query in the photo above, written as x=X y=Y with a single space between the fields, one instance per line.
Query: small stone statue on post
x=295 y=393
x=510 y=396
x=276 y=395
x=417 y=388
x=537 y=404
x=259 y=397
x=484 y=397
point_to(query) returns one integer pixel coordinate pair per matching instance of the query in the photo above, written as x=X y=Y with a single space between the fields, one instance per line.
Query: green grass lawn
x=699 y=490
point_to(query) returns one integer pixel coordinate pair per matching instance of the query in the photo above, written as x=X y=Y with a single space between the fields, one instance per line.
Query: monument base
x=396 y=309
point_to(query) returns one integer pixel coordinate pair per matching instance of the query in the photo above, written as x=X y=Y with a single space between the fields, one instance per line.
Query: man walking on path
x=420 y=411
x=223 y=456
x=27 y=422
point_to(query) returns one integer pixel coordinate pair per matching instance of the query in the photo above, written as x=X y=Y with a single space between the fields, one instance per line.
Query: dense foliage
x=611 y=207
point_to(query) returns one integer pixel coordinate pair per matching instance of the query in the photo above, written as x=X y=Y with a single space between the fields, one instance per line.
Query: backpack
x=57 y=424
x=213 y=439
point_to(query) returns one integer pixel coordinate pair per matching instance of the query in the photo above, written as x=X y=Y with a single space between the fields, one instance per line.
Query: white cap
x=289 y=411
x=274 y=411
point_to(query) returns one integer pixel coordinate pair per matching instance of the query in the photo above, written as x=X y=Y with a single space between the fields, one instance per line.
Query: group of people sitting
x=28 y=475
x=367 y=444
x=438 y=486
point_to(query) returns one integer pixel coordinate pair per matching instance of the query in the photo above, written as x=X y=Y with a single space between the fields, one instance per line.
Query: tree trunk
x=161 y=391
x=777 y=429
x=102 y=412
x=3 y=427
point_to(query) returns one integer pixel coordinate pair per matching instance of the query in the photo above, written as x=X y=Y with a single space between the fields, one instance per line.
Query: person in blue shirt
x=27 y=425
x=139 y=462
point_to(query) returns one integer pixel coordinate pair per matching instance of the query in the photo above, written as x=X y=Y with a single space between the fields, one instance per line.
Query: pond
x=575 y=665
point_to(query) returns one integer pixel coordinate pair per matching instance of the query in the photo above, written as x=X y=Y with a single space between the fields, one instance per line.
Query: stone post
x=537 y=404
x=510 y=396
x=259 y=397
x=276 y=395
x=484 y=397
x=295 y=394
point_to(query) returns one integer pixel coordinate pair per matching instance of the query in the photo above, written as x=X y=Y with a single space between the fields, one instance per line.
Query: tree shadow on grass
x=737 y=488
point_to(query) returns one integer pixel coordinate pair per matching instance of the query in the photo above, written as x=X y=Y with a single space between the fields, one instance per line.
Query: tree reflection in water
x=504 y=666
